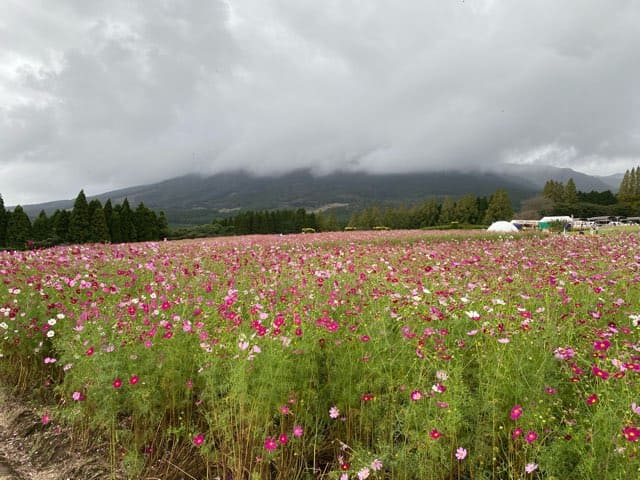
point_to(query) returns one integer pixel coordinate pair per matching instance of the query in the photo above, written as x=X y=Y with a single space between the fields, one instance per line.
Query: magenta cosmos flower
x=516 y=411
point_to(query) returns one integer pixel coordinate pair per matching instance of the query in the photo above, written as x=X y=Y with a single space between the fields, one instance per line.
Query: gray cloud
x=103 y=94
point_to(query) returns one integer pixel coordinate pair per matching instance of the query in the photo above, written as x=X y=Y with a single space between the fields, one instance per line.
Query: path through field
x=30 y=450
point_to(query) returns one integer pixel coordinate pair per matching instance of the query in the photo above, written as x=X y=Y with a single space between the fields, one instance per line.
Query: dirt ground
x=30 y=450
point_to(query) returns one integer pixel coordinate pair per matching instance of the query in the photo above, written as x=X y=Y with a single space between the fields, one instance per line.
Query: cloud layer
x=100 y=94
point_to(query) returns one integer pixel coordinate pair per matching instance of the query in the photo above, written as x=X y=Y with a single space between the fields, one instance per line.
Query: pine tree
x=99 y=231
x=3 y=224
x=466 y=210
x=60 y=224
x=571 y=192
x=427 y=214
x=146 y=223
x=42 y=227
x=447 y=211
x=18 y=228
x=163 y=226
x=499 y=208
x=127 y=224
x=625 y=192
x=554 y=191
x=79 y=222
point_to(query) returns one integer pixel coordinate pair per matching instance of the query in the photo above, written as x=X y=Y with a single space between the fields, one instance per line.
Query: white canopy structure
x=502 y=227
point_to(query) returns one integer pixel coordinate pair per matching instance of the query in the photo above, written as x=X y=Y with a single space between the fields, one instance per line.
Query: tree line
x=566 y=199
x=87 y=222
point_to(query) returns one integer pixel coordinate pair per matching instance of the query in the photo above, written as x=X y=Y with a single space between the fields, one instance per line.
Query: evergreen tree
x=116 y=226
x=466 y=209
x=79 y=223
x=4 y=216
x=108 y=214
x=127 y=224
x=447 y=211
x=42 y=227
x=570 y=192
x=499 y=208
x=99 y=231
x=146 y=223
x=163 y=226
x=18 y=228
x=427 y=214
x=60 y=221
x=554 y=191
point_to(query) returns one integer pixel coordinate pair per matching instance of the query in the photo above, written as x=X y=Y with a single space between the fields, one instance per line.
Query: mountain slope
x=192 y=199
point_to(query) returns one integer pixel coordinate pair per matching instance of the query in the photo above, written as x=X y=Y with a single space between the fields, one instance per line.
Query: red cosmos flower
x=283 y=439
x=133 y=380
x=117 y=383
x=601 y=345
x=592 y=399
x=599 y=372
x=367 y=397
x=345 y=466
x=516 y=411
x=517 y=432
x=435 y=434
x=631 y=433
x=198 y=440
x=90 y=351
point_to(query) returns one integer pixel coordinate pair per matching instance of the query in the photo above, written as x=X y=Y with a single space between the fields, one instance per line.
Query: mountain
x=540 y=174
x=194 y=199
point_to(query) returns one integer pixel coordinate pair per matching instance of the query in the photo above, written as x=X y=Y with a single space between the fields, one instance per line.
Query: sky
x=104 y=94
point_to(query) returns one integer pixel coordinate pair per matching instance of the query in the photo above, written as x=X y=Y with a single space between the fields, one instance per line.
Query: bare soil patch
x=31 y=450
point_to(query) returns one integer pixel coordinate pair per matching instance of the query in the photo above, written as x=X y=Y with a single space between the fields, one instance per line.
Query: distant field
x=390 y=354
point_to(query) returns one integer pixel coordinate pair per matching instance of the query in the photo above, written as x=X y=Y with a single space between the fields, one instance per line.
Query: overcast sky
x=102 y=94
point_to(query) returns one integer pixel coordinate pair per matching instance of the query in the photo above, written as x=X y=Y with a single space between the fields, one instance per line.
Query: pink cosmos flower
x=363 y=473
x=517 y=432
x=461 y=453
x=531 y=436
x=376 y=465
x=283 y=439
x=334 y=412
x=270 y=444
x=46 y=418
x=297 y=431
x=530 y=467
x=416 y=395
x=198 y=440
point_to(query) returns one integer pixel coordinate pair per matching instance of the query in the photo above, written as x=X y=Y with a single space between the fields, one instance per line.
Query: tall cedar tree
x=79 y=223
x=99 y=231
x=18 y=228
x=127 y=225
x=41 y=229
x=500 y=207
x=60 y=224
x=3 y=224
x=163 y=226
x=108 y=216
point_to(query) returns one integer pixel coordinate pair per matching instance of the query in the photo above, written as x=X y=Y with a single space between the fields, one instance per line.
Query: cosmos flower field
x=381 y=355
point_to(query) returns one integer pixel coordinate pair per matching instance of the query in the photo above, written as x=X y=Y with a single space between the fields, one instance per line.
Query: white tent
x=502 y=227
